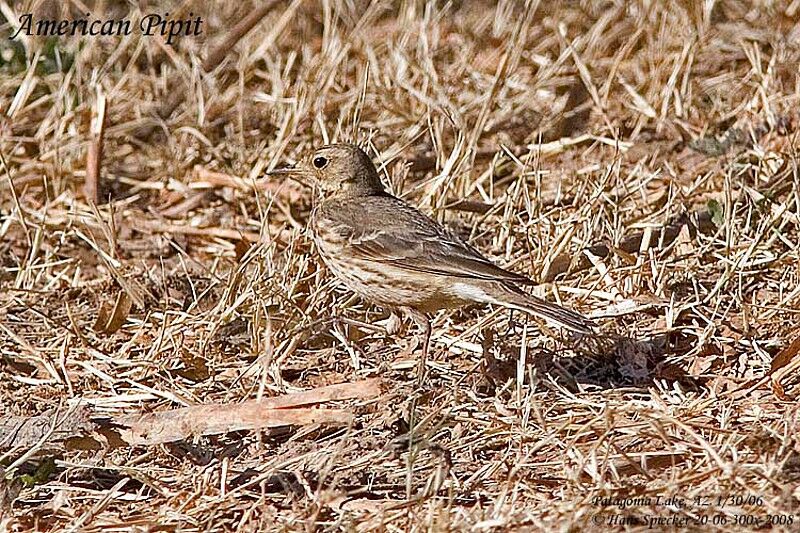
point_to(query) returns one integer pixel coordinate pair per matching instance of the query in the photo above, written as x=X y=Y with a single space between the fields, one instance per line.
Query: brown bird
x=392 y=255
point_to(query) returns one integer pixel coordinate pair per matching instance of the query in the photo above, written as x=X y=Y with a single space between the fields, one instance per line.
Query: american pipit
x=394 y=256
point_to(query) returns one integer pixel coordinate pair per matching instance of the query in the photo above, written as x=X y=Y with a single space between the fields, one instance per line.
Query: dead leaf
x=177 y=424
x=785 y=356
x=214 y=419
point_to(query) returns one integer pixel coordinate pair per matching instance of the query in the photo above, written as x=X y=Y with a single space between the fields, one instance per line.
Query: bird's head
x=336 y=170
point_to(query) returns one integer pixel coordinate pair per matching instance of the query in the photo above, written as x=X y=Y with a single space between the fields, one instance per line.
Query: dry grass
x=197 y=282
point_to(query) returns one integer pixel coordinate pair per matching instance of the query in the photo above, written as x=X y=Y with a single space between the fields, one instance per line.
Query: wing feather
x=416 y=242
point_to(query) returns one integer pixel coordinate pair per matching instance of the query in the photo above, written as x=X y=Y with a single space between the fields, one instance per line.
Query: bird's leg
x=422 y=320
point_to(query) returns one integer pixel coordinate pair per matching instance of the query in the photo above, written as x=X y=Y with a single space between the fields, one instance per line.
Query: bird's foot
x=393 y=324
x=409 y=346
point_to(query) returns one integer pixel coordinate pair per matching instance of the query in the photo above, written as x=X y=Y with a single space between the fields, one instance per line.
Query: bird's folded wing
x=433 y=252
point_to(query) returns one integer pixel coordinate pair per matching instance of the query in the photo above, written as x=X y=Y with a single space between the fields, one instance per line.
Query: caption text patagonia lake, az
x=152 y=24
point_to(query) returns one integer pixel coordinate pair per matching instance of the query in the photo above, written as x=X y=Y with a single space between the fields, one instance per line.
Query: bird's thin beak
x=289 y=172
x=294 y=173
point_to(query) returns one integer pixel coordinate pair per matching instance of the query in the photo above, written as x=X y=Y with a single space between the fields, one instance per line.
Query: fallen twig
x=94 y=154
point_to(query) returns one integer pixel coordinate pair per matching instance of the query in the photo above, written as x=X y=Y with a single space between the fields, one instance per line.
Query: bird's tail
x=514 y=298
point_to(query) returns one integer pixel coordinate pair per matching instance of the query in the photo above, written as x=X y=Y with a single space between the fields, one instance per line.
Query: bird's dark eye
x=320 y=162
